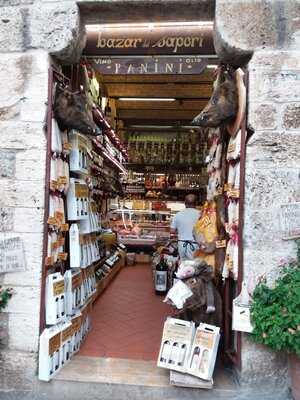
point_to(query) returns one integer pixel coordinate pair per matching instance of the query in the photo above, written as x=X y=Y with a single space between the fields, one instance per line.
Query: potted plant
x=275 y=314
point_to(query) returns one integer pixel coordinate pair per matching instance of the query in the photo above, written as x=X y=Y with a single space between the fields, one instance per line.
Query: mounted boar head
x=223 y=104
x=72 y=111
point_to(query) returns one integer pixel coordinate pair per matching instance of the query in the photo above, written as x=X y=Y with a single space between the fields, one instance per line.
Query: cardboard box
x=204 y=351
x=176 y=344
x=55 y=299
x=52 y=353
x=142 y=258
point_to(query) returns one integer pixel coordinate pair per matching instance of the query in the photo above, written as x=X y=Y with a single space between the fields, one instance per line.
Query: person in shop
x=183 y=224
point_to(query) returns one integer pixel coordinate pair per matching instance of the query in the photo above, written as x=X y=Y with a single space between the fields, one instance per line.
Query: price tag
x=231 y=148
x=53 y=185
x=64 y=227
x=52 y=221
x=234 y=193
x=67 y=146
x=49 y=261
x=62 y=180
x=63 y=256
x=59 y=216
x=61 y=241
x=220 y=244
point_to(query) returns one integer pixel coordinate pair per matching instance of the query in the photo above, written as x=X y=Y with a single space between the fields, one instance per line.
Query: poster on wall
x=290 y=220
x=12 y=257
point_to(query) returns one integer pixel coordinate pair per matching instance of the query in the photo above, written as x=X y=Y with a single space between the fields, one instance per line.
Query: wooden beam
x=205 y=77
x=161 y=105
x=173 y=90
x=155 y=114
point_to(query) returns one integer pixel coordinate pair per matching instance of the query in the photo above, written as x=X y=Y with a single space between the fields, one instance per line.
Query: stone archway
x=30 y=30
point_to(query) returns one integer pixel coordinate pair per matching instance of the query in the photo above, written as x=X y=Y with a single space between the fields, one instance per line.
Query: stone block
x=291 y=116
x=28 y=220
x=263 y=116
x=265 y=260
x=8 y=163
x=25 y=278
x=12 y=29
x=261 y=366
x=281 y=87
x=31 y=165
x=22 y=193
x=18 y=370
x=15 y=2
x=25 y=300
x=273 y=149
x=267 y=187
x=275 y=60
x=262 y=228
x=6 y=219
x=22 y=135
x=27 y=327
x=17 y=66
x=64 y=37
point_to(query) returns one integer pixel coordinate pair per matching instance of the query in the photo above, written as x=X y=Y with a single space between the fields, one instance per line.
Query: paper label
x=53 y=185
x=63 y=256
x=59 y=216
x=62 y=180
x=61 y=241
x=205 y=339
x=234 y=193
x=67 y=146
x=66 y=333
x=231 y=148
x=76 y=324
x=64 y=227
x=177 y=333
x=49 y=261
x=76 y=281
x=81 y=190
x=58 y=288
x=220 y=244
x=54 y=343
x=54 y=245
x=52 y=221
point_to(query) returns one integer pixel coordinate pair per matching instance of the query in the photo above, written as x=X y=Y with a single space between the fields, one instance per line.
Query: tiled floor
x=127 y=320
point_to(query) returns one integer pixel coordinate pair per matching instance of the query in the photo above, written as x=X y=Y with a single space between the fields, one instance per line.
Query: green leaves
x=5 y=295
x=275 y=312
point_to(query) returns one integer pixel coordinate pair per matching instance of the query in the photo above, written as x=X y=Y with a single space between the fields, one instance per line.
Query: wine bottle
x=161 y=278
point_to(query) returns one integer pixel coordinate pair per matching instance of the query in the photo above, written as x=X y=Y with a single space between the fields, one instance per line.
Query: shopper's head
x=190 y=201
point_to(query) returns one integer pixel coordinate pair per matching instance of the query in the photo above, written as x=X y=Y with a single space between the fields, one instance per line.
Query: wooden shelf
x=104 y=282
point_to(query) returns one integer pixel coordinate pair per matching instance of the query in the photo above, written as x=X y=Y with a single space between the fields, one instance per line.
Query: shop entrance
x=146 y=102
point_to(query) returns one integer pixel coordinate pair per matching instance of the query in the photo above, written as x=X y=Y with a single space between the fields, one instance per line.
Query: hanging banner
x=148 y=65
x=147 y=40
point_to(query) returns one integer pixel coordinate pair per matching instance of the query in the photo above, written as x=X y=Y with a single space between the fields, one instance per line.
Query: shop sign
x=290 y=220
x=150 y=40
x=149 y=65
x=12 y=255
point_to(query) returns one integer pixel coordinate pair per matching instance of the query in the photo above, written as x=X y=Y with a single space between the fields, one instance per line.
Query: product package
x=241 y=311
x=204 y=351
x=79 y=155
x=52 y=355
x=74 y=290
x=55 y=298
x=176 y=344
x=78 y=200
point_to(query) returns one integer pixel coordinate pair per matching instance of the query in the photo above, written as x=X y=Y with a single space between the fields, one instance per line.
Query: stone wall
x=29 y=31
x=271 y=38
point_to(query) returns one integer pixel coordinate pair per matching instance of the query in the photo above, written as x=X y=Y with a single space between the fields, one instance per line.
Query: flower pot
x=294 y=368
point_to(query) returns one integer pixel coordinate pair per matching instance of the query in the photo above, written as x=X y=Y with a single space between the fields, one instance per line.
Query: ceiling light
x=150 y=25
x=145 y=99
x=212 y=66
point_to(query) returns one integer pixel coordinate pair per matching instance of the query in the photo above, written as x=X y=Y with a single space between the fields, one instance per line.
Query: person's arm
x=173 y=226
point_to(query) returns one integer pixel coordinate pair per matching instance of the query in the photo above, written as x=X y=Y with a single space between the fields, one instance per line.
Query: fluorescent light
x=211 y=66
x=145 y=99
x=150 y=25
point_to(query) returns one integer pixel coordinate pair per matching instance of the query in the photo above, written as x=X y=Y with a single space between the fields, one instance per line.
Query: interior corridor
x=127 y=319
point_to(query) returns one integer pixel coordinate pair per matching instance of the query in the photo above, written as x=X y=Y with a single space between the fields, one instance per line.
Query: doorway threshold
x=121 y=371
